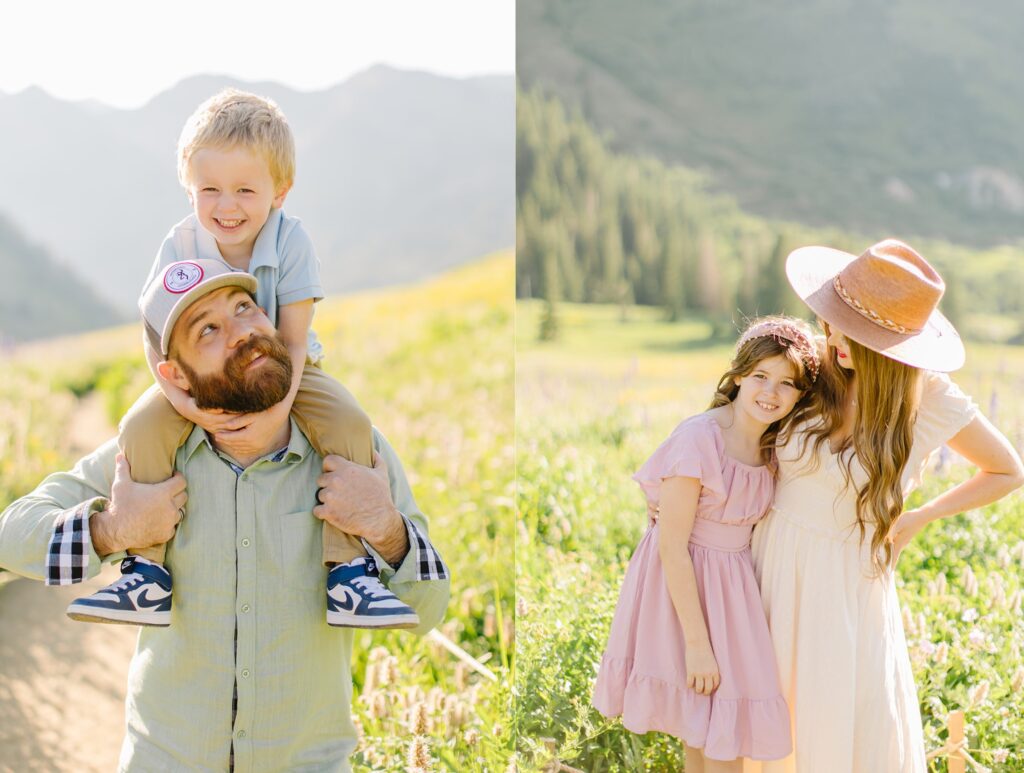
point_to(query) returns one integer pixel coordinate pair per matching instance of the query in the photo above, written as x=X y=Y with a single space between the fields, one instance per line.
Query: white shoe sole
x=87 y=614
x=348 y=620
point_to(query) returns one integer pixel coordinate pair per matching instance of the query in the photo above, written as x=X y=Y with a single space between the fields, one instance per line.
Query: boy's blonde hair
x=233 y=118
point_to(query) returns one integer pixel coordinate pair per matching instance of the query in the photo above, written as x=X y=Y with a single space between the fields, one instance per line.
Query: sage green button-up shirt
x=247 y=555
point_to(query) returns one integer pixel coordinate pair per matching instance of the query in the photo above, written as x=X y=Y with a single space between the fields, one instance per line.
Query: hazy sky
x=122 y=53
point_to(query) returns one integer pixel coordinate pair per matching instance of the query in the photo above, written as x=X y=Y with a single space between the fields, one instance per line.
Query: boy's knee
x=356 y=424
x=348 y=434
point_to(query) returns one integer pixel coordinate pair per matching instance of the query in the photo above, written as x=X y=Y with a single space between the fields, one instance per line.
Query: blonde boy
x=236 y=161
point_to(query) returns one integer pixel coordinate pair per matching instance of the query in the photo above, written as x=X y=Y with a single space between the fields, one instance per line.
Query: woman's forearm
x=981 y=489
x=1000 y=470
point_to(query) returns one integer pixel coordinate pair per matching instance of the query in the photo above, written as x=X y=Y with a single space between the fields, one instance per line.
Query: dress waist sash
x=731 y=537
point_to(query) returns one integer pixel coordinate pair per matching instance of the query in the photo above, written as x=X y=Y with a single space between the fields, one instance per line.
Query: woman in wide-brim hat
x=825 y=555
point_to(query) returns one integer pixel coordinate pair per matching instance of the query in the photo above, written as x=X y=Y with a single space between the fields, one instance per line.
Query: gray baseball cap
x=179 y=286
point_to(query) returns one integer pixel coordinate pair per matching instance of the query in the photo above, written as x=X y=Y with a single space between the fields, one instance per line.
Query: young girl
x=689 y=651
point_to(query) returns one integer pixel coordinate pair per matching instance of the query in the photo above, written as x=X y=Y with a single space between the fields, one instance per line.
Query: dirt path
x=89 y=425
x=62 y=683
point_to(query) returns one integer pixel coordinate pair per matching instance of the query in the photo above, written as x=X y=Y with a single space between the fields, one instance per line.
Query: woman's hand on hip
x=904 y=529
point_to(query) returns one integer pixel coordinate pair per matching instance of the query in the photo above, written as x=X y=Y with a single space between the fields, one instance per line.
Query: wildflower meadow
x=432 y=364
x=591 y=406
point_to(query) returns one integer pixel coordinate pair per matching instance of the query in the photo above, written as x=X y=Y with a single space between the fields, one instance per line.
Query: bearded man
x=248 y=675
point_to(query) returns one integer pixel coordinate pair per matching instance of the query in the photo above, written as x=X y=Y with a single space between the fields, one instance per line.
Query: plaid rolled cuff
x=67 y=559
x=428 y=560
x=431 y=567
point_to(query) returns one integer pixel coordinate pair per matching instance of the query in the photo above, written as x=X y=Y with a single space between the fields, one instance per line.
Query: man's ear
x=169 y=370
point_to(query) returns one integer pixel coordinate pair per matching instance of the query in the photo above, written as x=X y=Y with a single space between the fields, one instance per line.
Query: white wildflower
x=979 y=694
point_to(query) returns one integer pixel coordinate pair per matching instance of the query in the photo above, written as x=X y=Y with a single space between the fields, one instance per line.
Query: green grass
x=590 y=408
x=432 y=363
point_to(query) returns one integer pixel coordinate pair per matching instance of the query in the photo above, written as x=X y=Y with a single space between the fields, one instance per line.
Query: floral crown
x=786 y=331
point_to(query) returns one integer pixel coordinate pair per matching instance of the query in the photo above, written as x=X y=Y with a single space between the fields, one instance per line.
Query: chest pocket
x=300 y=553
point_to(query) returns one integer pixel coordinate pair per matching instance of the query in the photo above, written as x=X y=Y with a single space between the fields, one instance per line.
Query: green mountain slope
x=39 y=298
x=876 y=117
x=599 y=226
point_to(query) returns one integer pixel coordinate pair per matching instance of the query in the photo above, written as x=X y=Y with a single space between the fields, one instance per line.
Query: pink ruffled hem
x=726 y=729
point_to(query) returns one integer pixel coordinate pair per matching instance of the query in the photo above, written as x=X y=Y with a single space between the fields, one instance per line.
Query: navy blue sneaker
x=141 y=597
x=356 y=598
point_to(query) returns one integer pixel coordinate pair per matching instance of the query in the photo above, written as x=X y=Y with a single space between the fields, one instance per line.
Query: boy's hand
x=254 y=431
x=214 y=420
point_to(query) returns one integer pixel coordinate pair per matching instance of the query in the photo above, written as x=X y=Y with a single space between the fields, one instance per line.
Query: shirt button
x=245 y=542
x=241 y=734
x=245 y=673
x=245 y=607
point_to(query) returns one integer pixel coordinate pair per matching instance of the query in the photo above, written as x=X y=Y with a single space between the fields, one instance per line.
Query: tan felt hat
x=179 y=286
x=886 y=299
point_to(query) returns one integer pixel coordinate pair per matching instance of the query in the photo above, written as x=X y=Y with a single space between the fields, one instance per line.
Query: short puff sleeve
x=689 y=452
x=944 y=411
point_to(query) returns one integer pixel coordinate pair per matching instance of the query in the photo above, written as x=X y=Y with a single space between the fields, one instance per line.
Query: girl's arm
x=678 y=508
x=999 y=472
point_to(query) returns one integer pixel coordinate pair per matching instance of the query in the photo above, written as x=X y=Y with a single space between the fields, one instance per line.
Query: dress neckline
x=733 y=459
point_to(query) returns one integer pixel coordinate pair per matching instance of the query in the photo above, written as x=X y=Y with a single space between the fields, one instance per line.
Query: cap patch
x=182 y=277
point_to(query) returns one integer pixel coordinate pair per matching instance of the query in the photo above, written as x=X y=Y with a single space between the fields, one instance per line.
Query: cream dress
x=837 y=631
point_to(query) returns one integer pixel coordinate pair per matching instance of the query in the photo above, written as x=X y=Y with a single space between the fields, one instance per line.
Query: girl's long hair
x=887 y=401
x=745 y=361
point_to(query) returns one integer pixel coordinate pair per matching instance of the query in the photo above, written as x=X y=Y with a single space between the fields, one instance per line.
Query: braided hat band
x=886 y=298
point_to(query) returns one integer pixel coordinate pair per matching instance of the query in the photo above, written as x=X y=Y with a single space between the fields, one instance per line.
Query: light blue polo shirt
x=283 y=262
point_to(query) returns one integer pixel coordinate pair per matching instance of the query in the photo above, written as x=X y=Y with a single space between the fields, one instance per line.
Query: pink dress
x=643 y=672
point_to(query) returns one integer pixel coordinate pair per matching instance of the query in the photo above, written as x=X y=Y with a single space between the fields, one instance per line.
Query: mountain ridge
x=400 y=174
x=873 y=117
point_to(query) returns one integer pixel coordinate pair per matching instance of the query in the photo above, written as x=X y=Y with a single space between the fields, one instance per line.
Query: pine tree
x=709 y=277
x=553 y=242
x=774 y=295
x=746 y=294
x=952 y=300
x=672 y=282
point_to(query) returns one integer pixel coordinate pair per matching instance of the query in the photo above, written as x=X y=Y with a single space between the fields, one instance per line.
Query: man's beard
x=238 y=390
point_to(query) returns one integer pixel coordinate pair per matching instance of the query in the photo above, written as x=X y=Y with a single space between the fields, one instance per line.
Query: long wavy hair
x=745 y=361
x=885 y=409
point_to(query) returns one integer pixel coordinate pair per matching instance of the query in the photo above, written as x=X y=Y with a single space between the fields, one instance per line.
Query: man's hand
x=357 y=500
x=139 y=514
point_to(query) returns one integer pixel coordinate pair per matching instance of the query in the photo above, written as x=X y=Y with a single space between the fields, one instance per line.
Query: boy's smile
x=232 y=192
